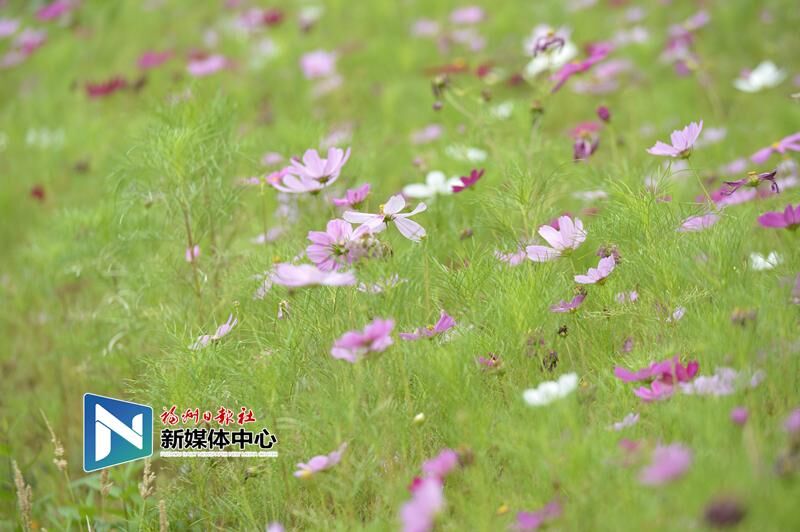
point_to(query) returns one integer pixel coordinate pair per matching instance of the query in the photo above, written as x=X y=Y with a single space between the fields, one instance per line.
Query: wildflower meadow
x=400 y=265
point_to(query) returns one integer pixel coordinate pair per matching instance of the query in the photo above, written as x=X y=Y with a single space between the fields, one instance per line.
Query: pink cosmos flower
x=390 y=212
x=788 y=219
x=312 y=174
x=628 y=421
x=790 y=143
x=427 y=134
x=353 y=197
x=658 y=391
x=668 y=463
x=489 y=363
x=722 y=382
x=8 y=27
x=445 y=323
x=682 y=142
x=441 y=465
x=330 y=249
x=271 y=158
x=152 y=59
x=427 y=500
x=668 y=371
x=467 y=15
x=792 y=422
x=568 y=236
x=99 y=90
x=586 y=140
x=468 y=181
x=569 y=306
x=222 y=330
x=631 y=297
x=192 y=253
x=54 y=10
x=599 y=274
x=739 y=415
x=512 y=259
x=29 y=40
x=206 y=66
x=318 y=64
x=597 y=52
x=698 y=223
x=320 y=463
x=354 y=345
x=308 y=275
x=527 y=521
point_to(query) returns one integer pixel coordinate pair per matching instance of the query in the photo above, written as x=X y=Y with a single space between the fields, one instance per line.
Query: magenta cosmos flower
x=568 y=236
x=790 y=143
x=445 y=323
x=353 y=197
x=664 y=375
x=788 y=219
x=752 y=180
x=105 y=88
x=354 y=345
x=682 y=142
x=390 y=212
x=468 y=181
x=597 y=52
x=152 y=59
x=318 y=64
x=598 y=275
x=312 y=174
x=527 y=521
x=222 y=330
x=330 y=249
x=299 y=275
x=320 y=463
x=427 y=500
x=668 y=463
x=54 y=10
x=569 y=306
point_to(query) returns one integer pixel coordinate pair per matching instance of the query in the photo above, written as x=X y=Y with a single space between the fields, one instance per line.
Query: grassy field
x=115 y=165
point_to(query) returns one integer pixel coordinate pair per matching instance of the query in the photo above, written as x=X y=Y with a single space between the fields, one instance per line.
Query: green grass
x=95 y=294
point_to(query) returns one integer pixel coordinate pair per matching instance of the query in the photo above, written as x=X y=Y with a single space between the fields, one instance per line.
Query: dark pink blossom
x=105 y=88
x=752 y=180
x=151 y=59
x=597 y=53
x=788 y=219
x=468 y=181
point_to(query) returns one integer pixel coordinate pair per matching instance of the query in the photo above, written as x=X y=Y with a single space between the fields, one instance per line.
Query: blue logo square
x=115 y=432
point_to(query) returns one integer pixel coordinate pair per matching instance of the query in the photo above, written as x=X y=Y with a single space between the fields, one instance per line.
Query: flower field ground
x=510 y=266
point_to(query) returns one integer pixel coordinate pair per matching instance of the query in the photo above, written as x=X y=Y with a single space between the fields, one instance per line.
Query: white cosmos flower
x=764 y=76
x=502 y=111
x=549 y=391
x=759 y=262
x=552 y=59
x=435 y=183
x=459 y=152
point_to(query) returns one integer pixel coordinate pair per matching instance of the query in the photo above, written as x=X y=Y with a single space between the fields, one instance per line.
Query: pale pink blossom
x=299 y=275
x=569 y=235
x=221 y=331
x=354 y=345
x=598 y=275
x=682 y=142
x=320 y=463
x=207 y=65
